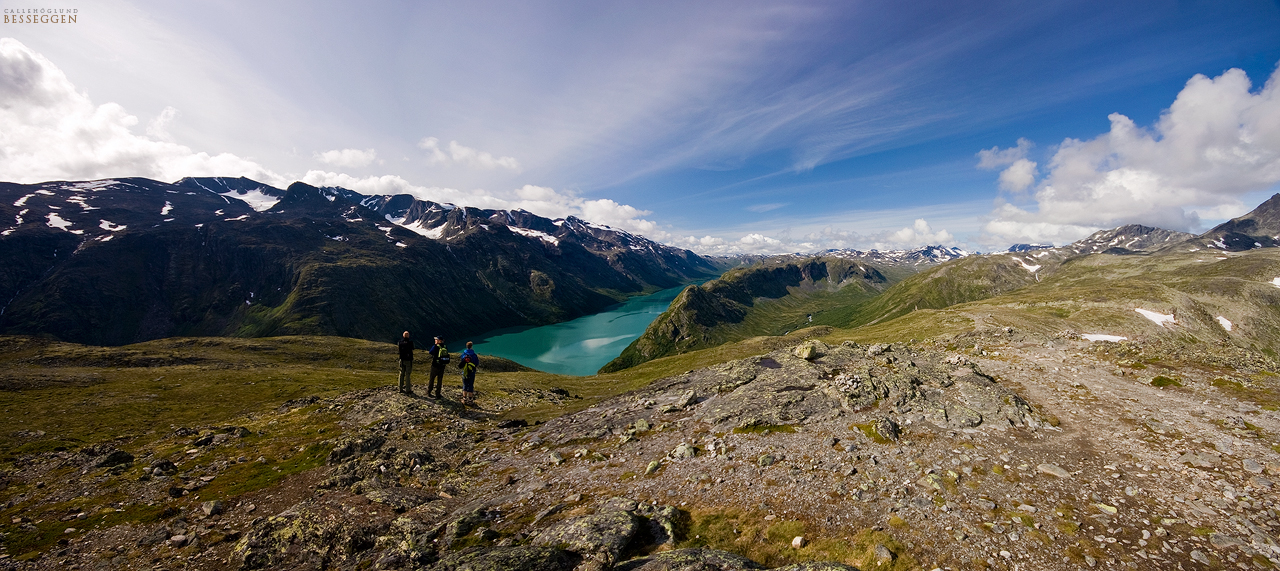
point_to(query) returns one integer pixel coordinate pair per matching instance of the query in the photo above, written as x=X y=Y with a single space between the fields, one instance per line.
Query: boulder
x=694 y=559
x=510 y=558
x=602 y=535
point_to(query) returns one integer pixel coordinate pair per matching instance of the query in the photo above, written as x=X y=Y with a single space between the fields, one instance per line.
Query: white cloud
x=914 y=236
x=539 y=200
x=1020 y=175
x=1021 y=172
x=465 y=156
x=766 y=207
x=995 y=157
x=349 y=158
x=51 y=131
x=1217 y=142
x=159 y=127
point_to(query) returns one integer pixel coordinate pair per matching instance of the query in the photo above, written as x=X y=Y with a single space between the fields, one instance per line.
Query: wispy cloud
x=457 y=154
x=767 y=207
x=349 y=158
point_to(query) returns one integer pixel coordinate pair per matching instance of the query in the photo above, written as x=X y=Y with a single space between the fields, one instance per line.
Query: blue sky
x=719 y=126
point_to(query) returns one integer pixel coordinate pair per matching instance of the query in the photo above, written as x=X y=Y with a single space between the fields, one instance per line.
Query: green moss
x=1163 y=381
x=869 y=430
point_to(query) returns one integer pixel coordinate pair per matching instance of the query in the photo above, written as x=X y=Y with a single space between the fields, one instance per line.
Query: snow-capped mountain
x=123 y=260
x=1257 y=229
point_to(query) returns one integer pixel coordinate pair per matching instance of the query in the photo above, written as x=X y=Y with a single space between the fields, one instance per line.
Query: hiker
x=406 y=363
x=468 y=362
x=439 y=358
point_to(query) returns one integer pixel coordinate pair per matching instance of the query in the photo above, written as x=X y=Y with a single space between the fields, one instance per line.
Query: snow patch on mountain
x=1029 y=267
x=111 y=226
x=1276 y=282
x=1224 y=322
x=168 y=206
x=240 y=217
x=1157 y=318
x=256 y=199
x=535 y=234
x=56 y=221
x=1103 y=337
x=81 y=201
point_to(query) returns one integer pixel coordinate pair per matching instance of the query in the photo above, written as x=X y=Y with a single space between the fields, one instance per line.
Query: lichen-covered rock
x=400 y=499
x=349 y=446
x=602 y=535
x=305 y=536
x=695 y=559
x=816 y=566
x=510 y=558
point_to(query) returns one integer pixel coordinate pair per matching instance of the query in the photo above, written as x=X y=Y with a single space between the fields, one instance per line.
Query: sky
x=722 y=127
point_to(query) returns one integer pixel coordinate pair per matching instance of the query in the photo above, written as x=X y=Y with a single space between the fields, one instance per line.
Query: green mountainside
x=771 y=298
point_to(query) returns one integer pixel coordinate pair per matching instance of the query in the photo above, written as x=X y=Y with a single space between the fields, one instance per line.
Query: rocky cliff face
x=120 y=261
x=1257 y=229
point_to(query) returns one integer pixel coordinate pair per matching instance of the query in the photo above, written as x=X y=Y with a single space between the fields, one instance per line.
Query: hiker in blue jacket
x=468 y=362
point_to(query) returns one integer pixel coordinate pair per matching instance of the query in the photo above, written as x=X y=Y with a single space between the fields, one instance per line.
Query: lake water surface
x=581 y=346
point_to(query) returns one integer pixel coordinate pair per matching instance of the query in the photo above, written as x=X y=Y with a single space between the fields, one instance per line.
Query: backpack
x=467 y=366
x=442 y=356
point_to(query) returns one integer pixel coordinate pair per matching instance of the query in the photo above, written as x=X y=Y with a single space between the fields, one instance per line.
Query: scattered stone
x=1107 y=509
x=115 y=458
x=177 y=541
x=1200 y=557
x=1200 y=459
x=810 y=350
x=685 y=399
x=1252 y=466
x=652 y=467
x=1090 y=561
x=214 y=507
x=1027 y=508
x=510 y=558
x=985 y=504
x=883 y=554
x=1053 y=470
x=642 y=425
x=684 y=451
x=798 y=541
x=555 y=458
x=766 y=460
x=887 y=428
x=695 y=559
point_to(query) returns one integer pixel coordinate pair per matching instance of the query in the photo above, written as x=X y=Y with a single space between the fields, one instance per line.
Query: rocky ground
x=993 y=449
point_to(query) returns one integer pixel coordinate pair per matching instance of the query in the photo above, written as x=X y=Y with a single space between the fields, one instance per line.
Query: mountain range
x=1179 y=272
x=118 y=261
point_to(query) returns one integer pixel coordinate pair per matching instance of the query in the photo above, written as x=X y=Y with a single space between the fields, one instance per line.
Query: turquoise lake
x=581 y=346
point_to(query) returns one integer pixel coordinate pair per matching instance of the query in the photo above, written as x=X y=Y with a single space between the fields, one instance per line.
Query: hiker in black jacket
x=439 y=358
x=406 y=364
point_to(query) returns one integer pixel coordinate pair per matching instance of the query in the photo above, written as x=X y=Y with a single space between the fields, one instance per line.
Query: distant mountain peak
x=1259 y=228
x=1128 y=239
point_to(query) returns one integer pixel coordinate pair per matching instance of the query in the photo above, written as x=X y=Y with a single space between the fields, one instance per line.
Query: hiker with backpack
x=439 y=358
x=468 y=362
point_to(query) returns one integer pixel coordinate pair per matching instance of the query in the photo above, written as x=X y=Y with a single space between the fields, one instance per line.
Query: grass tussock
x=769 y=541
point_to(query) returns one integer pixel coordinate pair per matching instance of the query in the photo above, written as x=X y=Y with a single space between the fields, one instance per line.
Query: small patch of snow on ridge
x=1157 y=318
x=1102 y=337
x=1224 y=322
x=254 y=198
x=1276 y=282
x=535 y=234
x=56 y=221
x=1026 y=266
x=167 y=207
x=111 y=226
x=240 y=217
x=22 y=201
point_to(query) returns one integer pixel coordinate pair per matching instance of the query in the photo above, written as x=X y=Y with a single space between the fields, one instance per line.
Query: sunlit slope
x=1204 y=292
x=767 y=299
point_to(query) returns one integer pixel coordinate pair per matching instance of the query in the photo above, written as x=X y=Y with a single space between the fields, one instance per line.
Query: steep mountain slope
x=1257 y=229
x=770 y=298
x=118 y=261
